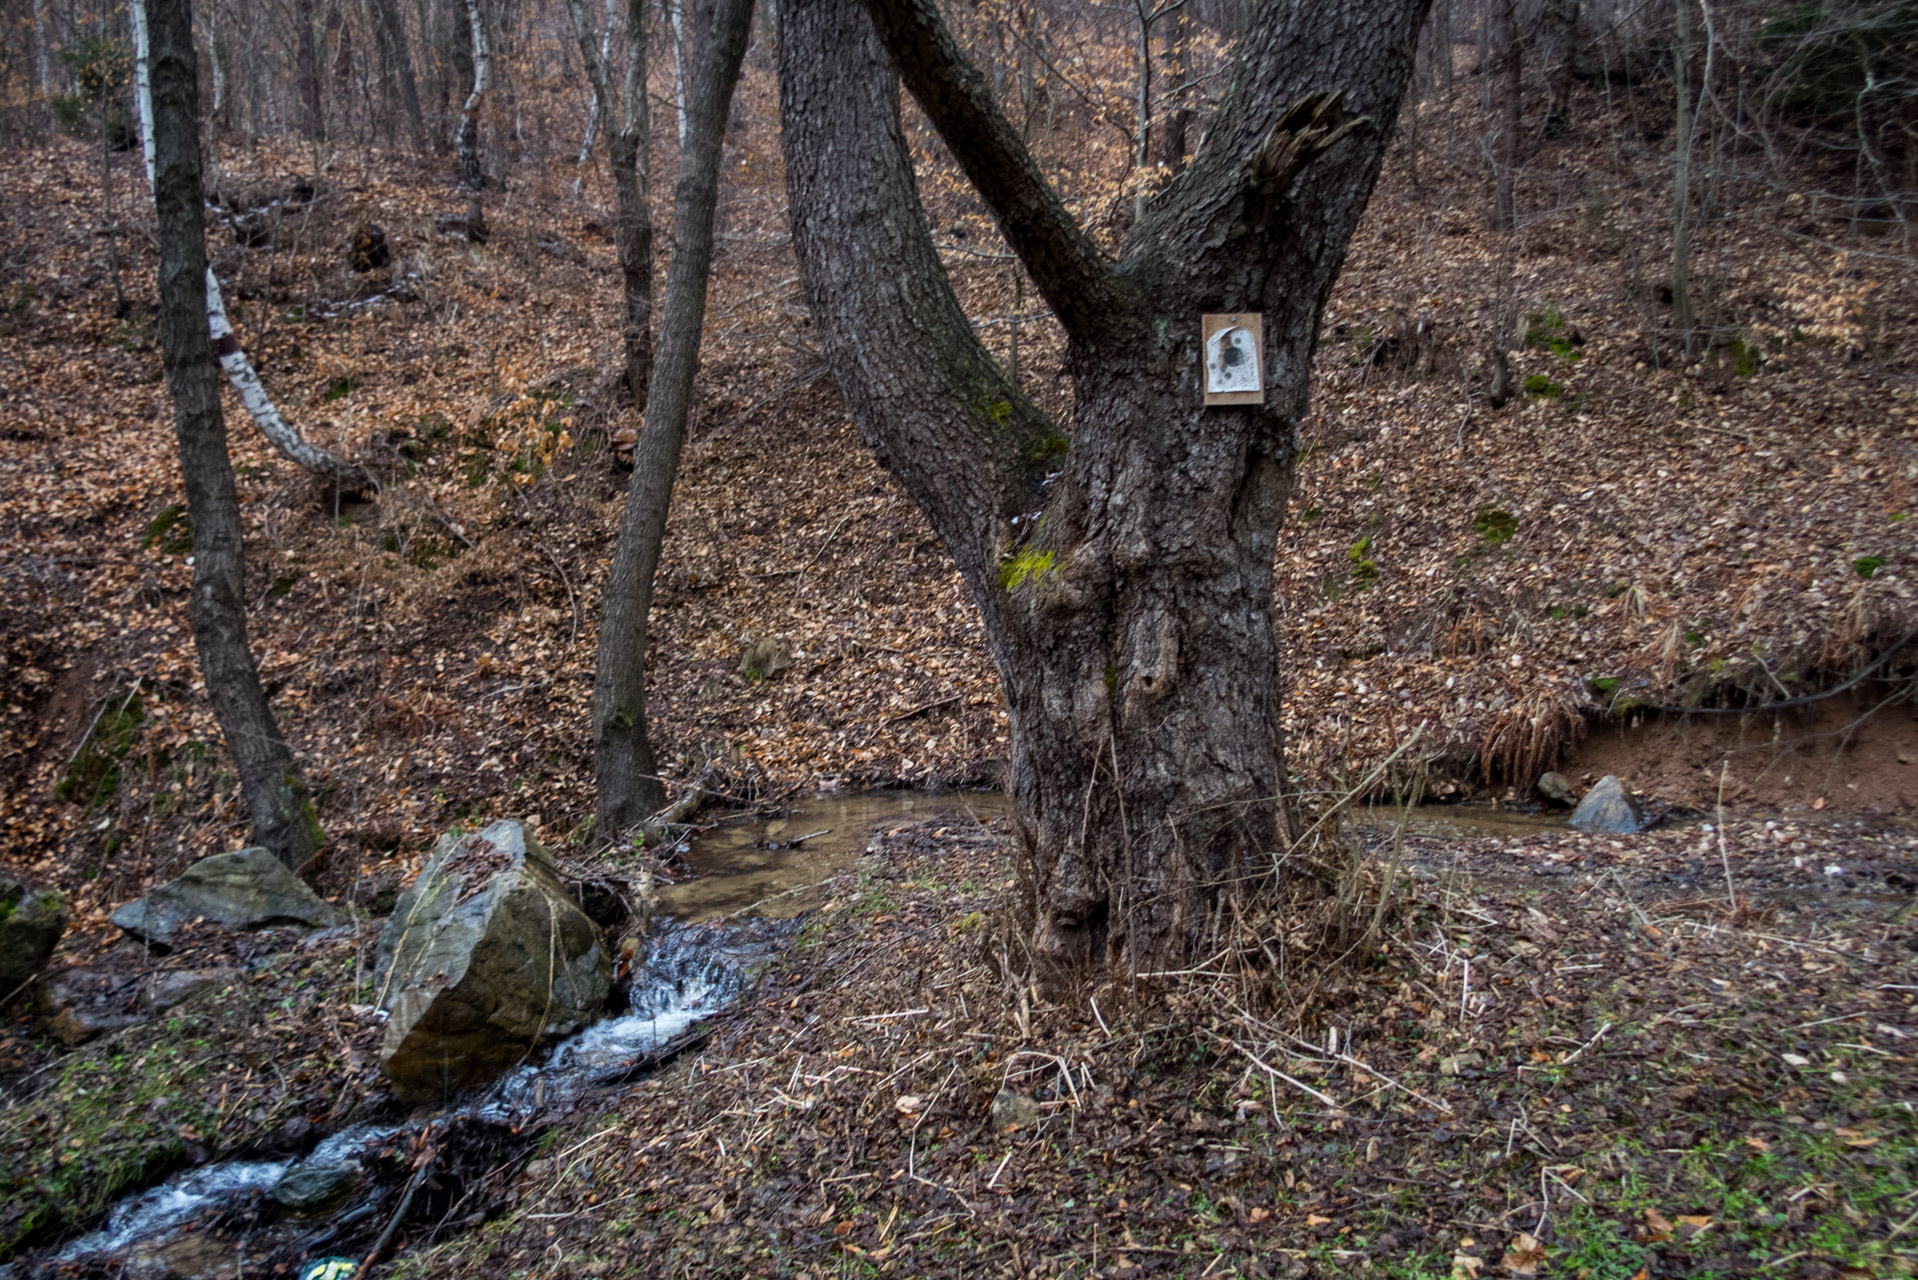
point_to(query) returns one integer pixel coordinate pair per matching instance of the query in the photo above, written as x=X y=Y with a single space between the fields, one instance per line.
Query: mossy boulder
x=485 y=957
x=31 y=922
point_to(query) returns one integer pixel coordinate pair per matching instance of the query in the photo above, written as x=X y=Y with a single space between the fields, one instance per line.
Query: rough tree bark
x=472 y=172
x=1124 y=572
x=280 y=433
x=623 y=766
x=628 y=150
x=276 y=794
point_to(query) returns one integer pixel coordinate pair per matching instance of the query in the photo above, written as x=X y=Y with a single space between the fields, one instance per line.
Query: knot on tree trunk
x=1307 y=128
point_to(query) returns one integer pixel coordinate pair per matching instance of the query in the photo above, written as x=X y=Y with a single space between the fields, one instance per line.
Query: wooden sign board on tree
x=1234 y=365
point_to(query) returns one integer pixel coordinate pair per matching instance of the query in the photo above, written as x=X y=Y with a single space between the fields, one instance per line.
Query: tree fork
x=1130 y=604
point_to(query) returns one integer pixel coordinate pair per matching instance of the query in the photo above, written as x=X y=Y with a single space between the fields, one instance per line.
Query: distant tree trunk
x=1124 y=572
x=307 y=70
x=1142 y=144
x=42 y=53
x=628 y=150
x=472 y=172
x=1683 y=319
x=1178 y=115
x=1560 y=22
x=276 y=793
x=623 y=765
x=1505 y=150
x=676 y=13
x=280 y=433
x=594 y=112
x=392 y=36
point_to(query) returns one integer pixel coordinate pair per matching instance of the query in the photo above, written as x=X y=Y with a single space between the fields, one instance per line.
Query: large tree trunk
x=623 y=767
x=276 y=794
x=1125 y=577
x=628 y=149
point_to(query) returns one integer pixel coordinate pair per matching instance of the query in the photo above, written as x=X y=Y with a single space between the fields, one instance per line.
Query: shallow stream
x=712 y=933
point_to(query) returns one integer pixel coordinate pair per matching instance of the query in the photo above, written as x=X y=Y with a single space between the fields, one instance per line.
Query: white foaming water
x=160 y=1210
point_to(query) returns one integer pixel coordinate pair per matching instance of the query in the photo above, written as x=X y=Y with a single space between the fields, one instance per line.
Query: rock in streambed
x=485 y=957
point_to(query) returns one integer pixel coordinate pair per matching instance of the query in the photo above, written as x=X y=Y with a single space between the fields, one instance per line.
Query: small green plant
x=339 y=389
x=94 y=776
x=1314 y=513
x=171 y=531
x=1867 y=566
x=1540 y=387
x=1359 y=553
x=1495 y=525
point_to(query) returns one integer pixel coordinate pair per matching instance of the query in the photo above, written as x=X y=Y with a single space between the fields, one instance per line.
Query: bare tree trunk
x=623 y=766
x=392 y=36
x=1682 y=316
x=1505 y=149
x=676 y=13
x=307 y=59
x=472 y=172
x=1178 y=116
x=276 y=793
x=226 y=344
x=42 y=53
x=1142 y=147
x=1124 y=573
x=628 y=151
x=598 y=107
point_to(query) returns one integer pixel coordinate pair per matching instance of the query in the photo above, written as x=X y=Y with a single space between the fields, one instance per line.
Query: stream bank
x=335 y=1179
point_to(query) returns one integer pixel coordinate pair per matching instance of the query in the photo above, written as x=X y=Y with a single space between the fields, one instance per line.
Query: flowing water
x=712 y=933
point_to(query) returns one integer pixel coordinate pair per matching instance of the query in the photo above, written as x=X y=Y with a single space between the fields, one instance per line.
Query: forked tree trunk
x=623 y=765
x=1126 y=575
x=276 y=794
x=628 y=149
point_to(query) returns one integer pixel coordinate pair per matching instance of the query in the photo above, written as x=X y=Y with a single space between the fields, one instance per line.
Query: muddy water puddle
x=1462 y=820
x=777 y=867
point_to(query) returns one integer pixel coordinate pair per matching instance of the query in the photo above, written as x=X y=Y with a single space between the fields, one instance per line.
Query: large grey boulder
x=243 y=890
x=1608 y=808
x=30 y=927
x=485 y=956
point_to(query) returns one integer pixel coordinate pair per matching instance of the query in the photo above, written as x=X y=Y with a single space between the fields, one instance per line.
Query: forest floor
x=1530 y=583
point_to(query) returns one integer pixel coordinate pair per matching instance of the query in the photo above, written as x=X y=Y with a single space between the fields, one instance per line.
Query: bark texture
x=276 y=794
x=1124 y=571
x=623 y=765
